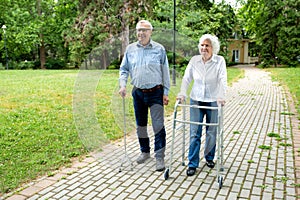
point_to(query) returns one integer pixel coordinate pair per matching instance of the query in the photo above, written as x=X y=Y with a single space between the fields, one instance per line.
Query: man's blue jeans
x=197 y=115
x=142 y=102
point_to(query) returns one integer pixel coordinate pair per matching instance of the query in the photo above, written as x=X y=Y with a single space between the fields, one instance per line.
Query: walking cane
x=126 y=157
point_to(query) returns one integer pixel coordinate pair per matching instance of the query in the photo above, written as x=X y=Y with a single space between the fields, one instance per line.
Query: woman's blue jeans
x=142 y=102
x=197 y=115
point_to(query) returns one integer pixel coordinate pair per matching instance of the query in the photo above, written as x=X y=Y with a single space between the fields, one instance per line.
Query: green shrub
x=26 y=65
x=180 y=62
x=2 y=67
x=37 y=64
x=55 y=64
x=115 y=64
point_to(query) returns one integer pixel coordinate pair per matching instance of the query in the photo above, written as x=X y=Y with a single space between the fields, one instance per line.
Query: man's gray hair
x=144 y=22
x=214 y=42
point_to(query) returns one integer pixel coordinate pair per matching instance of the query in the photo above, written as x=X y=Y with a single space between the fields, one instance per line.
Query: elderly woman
x=209 y=76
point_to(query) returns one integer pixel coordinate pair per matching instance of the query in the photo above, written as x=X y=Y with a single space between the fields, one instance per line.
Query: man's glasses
x=143 y=30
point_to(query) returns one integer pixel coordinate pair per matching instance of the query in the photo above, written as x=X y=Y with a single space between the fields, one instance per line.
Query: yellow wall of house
x=242 y=47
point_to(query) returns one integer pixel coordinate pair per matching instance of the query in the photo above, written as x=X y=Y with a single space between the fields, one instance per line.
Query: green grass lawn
x=290 y=78
x=234 y=74
x=39 y=133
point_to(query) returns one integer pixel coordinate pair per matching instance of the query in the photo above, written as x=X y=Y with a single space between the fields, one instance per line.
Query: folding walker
x=219 y=126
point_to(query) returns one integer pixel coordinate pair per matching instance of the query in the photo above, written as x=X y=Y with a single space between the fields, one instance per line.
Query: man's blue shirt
x=147 y=66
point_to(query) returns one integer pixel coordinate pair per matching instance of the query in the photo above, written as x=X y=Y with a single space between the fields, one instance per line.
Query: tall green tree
x=274 y=26
x=34 y=28
x=100 y=21
x=195 y=18
x=70 y=29
x=21 y=30
x=289 y=35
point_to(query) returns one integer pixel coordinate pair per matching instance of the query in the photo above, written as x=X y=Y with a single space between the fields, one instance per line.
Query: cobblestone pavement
x=256 y=165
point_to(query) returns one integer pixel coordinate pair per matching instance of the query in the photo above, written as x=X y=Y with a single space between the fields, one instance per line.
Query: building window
x=236 y=56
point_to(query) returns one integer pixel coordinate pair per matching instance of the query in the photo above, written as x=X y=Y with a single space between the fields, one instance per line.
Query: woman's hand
x=221 y=102
x=181 y=98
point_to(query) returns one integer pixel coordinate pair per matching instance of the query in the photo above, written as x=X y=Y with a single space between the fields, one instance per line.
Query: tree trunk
x=42 y=52
x=42 y=47
x=125 y=28
x=125 y=37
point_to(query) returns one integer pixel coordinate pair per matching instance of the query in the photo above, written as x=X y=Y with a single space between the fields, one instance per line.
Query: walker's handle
x=176 y=104
x=221 y=115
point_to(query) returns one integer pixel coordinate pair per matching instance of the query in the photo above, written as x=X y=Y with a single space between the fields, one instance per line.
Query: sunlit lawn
x=290 y=78
x=38 y=132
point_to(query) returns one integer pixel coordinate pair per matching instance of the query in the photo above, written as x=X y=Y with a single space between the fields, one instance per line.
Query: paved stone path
x=256 y=165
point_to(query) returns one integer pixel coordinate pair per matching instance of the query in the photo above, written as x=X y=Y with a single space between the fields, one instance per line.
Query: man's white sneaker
x=160 y=164
x=142 y=158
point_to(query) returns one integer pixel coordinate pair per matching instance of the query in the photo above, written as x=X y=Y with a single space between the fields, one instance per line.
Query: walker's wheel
x=166 y=175
x=220 y=181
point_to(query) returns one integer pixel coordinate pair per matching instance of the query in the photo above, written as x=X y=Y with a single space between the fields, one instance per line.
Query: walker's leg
x=218 y=153
x=220 y=181
x=222 y=136
x=219 y=138
x=183 y=136
x=222 y=150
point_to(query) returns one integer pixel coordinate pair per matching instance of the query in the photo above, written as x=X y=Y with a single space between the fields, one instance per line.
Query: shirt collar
x=149 y=45
x=213 y=58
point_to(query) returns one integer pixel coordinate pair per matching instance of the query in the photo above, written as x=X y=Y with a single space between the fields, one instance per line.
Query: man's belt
x=152 y=89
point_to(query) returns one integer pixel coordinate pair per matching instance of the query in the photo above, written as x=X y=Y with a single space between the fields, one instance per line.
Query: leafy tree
x=69 y=30
x=20 y=28
x=289 y=40
x=101 y=21
x=195 y=18
x=34 y=28
x=274 y=26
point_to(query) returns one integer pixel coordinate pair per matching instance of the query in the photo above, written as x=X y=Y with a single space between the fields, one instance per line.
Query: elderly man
x=146 y=63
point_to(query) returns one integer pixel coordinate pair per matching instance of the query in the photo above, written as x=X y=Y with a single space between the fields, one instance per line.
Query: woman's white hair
x=214 y=42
